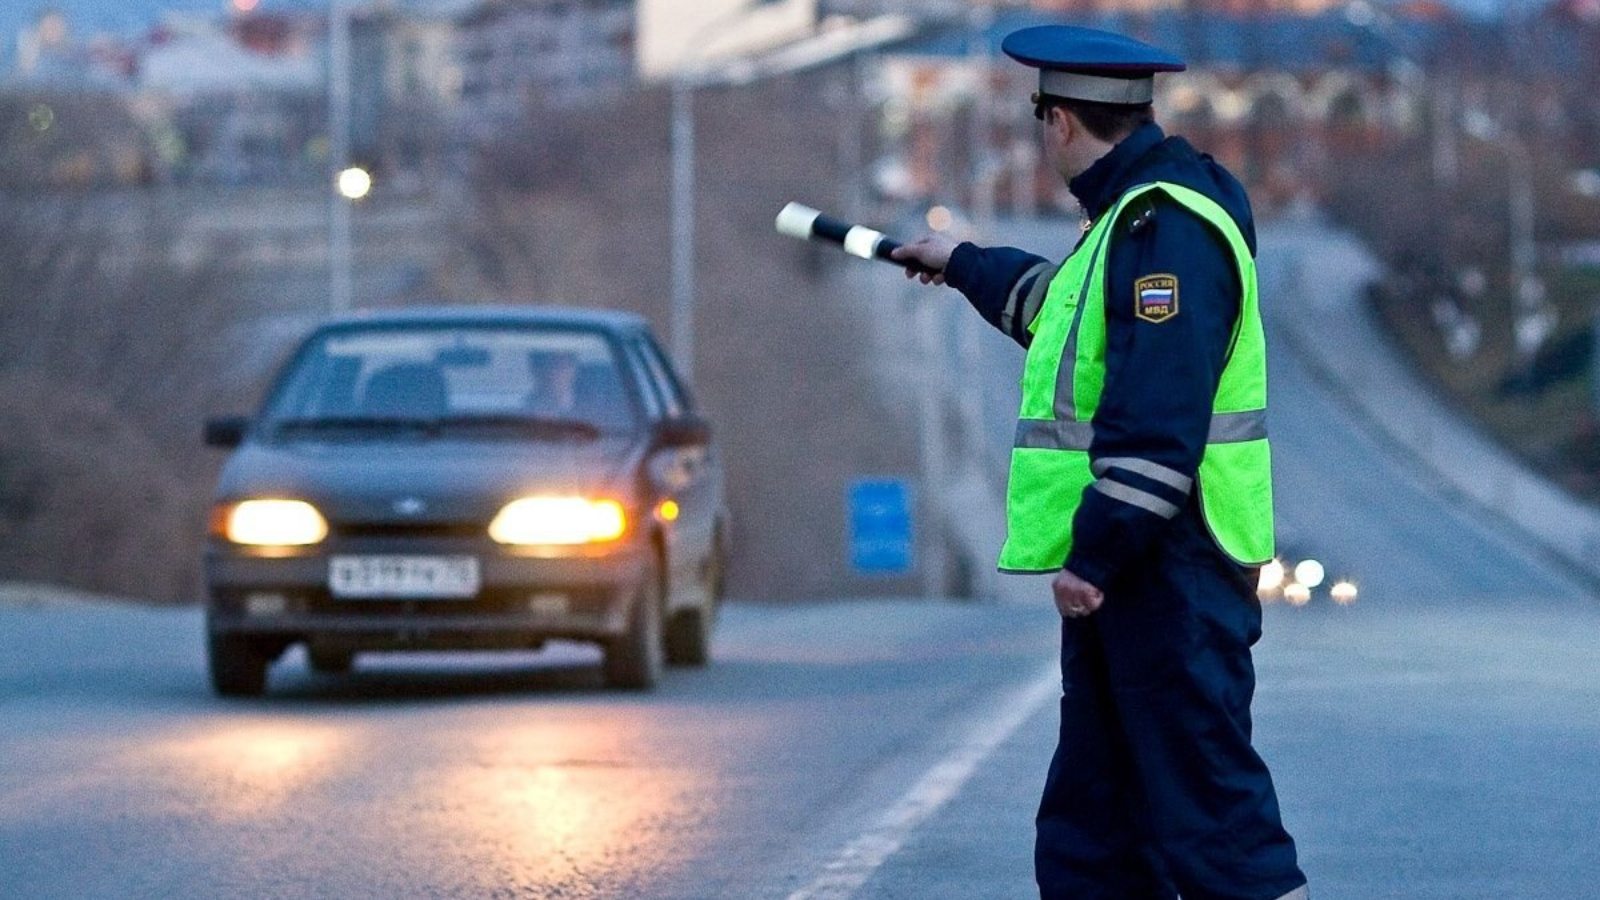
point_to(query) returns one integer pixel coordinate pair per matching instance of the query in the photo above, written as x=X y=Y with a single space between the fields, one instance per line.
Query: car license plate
x=384 y=577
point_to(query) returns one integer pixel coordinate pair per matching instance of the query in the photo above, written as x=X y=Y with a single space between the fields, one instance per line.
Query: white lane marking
x=796 y=220
x=855 y=863
x=862 y=241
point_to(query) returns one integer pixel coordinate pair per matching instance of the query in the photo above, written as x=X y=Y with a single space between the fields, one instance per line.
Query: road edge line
x=855 y=863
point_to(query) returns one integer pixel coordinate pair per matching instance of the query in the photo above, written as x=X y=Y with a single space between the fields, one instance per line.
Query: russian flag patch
x=1155 y=298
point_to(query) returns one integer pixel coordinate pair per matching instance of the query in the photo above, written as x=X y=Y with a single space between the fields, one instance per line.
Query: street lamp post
x=684 y=82
x=1531 y=315
x=341 y=281
x=690 y=76
x=1368 y=17
x=683 y=212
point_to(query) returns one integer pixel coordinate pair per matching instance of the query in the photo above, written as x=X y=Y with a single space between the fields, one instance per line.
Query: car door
x=686 y=477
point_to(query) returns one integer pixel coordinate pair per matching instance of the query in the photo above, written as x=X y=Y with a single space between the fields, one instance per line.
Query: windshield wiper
x=355 y=423
x=540 y=425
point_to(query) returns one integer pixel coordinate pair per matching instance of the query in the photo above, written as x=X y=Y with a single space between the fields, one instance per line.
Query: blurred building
x=1273 y=94
x=948 y=9
x=50 y=55
x=203 y=55
x=675 y=36
x=519 y=54
x=406 y=79
x=243 y=95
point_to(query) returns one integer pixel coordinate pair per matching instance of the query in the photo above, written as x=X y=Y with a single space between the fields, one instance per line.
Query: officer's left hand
x=1075 y=597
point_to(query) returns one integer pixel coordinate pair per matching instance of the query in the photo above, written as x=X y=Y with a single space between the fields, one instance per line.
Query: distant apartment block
x=517 y=54
x=406 y=79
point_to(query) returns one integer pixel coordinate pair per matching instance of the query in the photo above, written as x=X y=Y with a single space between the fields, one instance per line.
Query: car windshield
x=471 y=381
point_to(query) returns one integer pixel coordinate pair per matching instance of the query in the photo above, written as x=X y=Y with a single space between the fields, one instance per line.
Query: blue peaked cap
x=1089 y=64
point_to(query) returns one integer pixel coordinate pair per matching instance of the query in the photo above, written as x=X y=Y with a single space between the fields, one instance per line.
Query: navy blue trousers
x=1155 y=789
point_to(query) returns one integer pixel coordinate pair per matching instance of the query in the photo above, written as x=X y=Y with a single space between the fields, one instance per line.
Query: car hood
x=428 y=481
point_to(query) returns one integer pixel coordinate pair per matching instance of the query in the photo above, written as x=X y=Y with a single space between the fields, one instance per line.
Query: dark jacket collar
x=1102 y=183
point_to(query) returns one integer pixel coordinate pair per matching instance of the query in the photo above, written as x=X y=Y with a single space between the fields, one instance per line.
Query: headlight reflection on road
x=554 y=807
x=256 y=768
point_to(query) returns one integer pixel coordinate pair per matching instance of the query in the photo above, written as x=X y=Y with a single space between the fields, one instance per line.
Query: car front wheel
x=633 y=661
x=689 y=638
x=238 y=665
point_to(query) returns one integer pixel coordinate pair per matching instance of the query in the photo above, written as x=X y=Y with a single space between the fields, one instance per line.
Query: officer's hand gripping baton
x=807 y=224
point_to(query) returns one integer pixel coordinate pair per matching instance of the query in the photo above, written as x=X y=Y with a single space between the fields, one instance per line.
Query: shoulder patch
x=1155 y=298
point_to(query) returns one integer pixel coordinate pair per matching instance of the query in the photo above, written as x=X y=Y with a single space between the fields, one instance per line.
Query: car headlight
x=1344 y=593
x=274 y=523
x=1272 y=577
x=559 y=521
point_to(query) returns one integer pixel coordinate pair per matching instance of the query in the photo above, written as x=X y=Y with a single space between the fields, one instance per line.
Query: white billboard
x=679 y=35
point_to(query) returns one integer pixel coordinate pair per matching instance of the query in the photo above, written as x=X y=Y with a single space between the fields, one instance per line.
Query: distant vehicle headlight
x=274 y=523
x=1272 y=575
x=559 y=522
x=1344 y=593
x=1297 y=594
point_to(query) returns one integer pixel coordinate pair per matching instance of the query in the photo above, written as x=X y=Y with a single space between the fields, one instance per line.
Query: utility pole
x=683 y=212
x=985 y=172
x=339 y=244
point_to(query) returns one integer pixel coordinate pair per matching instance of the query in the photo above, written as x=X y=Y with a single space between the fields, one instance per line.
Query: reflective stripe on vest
x=1061 y=386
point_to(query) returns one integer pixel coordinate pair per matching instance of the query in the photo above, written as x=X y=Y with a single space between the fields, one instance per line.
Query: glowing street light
x=1310 y=573
x=355 y=183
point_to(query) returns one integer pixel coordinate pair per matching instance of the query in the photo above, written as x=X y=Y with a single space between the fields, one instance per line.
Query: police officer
x=1140 y=478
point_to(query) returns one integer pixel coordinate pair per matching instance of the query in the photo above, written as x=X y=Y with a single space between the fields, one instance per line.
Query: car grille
x=410 y=529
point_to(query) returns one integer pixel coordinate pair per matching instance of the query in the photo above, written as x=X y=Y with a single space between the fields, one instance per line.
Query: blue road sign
x=880 y=526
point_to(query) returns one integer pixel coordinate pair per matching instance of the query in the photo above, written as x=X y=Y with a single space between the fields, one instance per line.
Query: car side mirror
x=683 y=431
x=227 y=432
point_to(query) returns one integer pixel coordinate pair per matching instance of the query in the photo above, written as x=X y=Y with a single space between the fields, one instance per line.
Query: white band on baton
x=862 y=241
x=796 y=221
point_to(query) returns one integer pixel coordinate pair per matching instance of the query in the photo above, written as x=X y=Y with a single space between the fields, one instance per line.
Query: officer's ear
x=1061 y=122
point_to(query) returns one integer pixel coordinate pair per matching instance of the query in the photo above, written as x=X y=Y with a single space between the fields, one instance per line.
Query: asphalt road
x=1438 y=739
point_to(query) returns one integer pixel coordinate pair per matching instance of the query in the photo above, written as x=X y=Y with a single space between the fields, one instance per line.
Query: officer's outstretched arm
x=1172 y=297
x=1005 y=285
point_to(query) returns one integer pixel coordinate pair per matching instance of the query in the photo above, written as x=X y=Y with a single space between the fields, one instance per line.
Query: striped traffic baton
x=805 y=223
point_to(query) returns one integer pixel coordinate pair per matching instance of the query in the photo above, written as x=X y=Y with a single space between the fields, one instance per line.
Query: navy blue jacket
x=1161 y=377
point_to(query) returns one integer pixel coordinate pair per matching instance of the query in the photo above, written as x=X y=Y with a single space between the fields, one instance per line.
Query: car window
x=662 y=376
x=649 y=394
x=458 y=374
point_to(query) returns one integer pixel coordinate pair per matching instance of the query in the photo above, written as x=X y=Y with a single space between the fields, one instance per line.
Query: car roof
x=480 y=315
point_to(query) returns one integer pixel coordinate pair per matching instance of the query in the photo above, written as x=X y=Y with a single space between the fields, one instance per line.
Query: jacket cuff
x=1095 y=571
x=958 y=272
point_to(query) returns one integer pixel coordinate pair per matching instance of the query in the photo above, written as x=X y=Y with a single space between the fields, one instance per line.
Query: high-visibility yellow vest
x=1062 y=382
